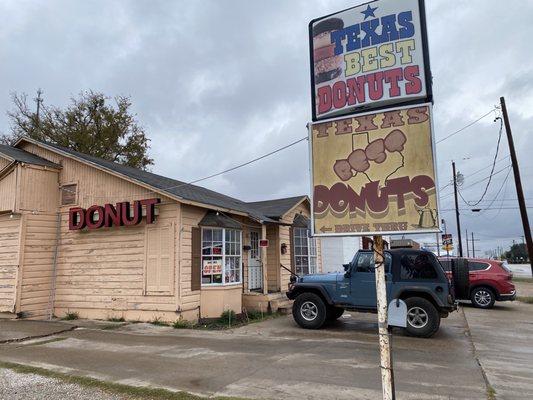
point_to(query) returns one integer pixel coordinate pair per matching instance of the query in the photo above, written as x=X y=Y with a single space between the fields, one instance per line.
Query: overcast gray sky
x=216 y=83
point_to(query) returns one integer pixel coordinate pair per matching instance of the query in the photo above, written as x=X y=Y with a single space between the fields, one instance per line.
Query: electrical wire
x=466 y=127
x=472 y=204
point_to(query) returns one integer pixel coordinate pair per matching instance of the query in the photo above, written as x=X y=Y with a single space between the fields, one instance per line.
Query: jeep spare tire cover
x=461 y=280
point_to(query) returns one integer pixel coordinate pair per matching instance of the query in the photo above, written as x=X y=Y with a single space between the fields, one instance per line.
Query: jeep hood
x=319 y=278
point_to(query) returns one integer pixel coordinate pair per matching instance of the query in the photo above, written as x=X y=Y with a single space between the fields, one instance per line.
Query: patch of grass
x=227 y=320
x=525 y=299
x=110 y=327
x=183 y=324
x=114 y=319
x=491 y=393
x=131 y=391
x=70 y=316
x=522 y=279
x=157 y=322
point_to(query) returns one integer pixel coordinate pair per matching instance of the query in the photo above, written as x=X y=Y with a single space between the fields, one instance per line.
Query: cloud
x=216 y=83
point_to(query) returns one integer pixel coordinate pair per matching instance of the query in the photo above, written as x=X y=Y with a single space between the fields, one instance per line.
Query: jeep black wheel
x=423 y=320
x=309 y=311
x=334 y=313
x=483 y=297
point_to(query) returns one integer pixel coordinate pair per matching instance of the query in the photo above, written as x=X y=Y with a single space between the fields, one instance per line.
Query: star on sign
x=369 y=12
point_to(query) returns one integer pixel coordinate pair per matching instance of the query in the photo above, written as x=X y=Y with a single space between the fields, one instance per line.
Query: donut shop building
x=85 y=235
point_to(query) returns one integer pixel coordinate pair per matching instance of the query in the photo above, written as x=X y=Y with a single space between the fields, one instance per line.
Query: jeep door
x=363 y=280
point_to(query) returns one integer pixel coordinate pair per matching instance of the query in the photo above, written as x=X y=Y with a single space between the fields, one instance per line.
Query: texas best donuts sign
x=374 y=173
x=369 y=57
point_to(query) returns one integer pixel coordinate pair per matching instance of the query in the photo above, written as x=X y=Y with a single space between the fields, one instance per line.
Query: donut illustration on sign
x=359 y=160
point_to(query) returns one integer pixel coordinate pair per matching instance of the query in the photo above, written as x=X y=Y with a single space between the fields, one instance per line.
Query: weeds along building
x=85 y=235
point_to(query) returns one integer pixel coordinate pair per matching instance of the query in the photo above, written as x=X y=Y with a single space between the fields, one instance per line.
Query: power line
x=481 y=180
x=491 y=171
x=465 y=127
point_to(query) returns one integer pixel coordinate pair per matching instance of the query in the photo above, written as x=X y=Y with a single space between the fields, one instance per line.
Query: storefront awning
x=216 y=219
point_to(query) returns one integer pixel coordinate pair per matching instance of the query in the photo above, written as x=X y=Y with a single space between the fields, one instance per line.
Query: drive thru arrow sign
x=325 y=229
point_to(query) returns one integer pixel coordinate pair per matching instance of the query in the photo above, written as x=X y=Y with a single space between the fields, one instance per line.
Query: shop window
x=159 y=267
x=69 y=194
x=221 y=256
x=305 y=253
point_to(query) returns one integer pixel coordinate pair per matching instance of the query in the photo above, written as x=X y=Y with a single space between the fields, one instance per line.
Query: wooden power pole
x=459 y=240
x=518 y=183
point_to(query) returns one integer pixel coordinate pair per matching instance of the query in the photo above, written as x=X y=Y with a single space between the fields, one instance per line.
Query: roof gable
x=277 y=208
x=176 y=189
x=19 y=155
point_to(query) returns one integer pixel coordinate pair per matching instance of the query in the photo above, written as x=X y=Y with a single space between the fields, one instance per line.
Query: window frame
x=76 y=196
x=309 y=247
x=223 y=256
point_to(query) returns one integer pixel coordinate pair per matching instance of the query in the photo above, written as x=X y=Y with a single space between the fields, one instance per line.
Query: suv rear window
x=477 y=266
x=417 y=266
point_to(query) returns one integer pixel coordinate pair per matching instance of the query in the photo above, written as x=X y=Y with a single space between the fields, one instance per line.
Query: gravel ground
x=17 y=386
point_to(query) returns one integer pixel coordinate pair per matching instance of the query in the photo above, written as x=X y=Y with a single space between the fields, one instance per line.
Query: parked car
x=414 y=276
x=490 y=281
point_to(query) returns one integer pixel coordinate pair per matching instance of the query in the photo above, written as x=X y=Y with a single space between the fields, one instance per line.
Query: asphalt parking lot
x=276 y=359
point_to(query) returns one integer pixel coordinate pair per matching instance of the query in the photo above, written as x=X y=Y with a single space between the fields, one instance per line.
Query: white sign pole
x=387 y=376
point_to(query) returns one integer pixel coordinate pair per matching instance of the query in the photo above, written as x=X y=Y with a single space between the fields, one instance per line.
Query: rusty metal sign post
x=385 y=345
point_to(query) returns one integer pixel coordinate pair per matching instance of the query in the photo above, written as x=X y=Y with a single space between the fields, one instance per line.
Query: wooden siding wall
x=39 y=241
x=8 y=190
x=102 y=275
x=273 y=258
x=39 y=189
x=285 y=259
x=4 y=162
x=9 y=261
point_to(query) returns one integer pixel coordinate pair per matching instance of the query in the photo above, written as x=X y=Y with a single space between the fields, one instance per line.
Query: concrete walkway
x=17 y=330
x=271 y=360
x=503 y=340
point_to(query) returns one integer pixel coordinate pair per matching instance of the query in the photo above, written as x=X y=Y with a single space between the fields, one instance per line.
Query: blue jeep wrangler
x=413 y=276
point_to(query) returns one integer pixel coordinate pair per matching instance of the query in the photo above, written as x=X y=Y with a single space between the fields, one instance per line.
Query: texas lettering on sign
x=374 y=173
x=368 y=56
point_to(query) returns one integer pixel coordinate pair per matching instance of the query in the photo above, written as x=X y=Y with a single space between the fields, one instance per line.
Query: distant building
x=337 y=251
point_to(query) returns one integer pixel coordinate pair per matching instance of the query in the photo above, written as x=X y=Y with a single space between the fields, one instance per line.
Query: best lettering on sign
x=368 y=56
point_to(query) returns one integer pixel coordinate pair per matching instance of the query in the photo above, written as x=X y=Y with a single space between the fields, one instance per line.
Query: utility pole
x=39 y=101
x=459 y=240
x=438 y=244
x=518 y=183
x=387 y=374
x=467 y=250
x=473 y=248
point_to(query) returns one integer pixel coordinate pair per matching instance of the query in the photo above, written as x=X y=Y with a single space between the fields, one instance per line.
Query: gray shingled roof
x=25 y=157
x=177 y=188
x=278 y=207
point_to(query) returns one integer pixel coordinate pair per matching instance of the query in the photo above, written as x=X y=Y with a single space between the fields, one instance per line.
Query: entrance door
x=255 y=268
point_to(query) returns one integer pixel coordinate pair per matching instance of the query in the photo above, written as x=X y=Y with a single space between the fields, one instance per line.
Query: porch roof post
x=264 y=261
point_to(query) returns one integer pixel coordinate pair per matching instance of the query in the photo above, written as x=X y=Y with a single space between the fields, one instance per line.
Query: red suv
x=490 y=281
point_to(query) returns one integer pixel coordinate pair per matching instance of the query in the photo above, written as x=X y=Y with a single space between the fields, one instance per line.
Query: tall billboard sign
x=369 y=57
x=374 y=173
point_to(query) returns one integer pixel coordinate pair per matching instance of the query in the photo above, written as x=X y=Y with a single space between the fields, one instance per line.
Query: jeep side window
x=365 y=262
x=446 y=265
x=417 y=266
